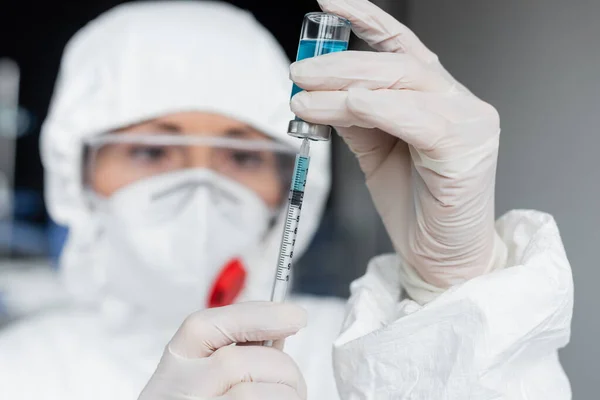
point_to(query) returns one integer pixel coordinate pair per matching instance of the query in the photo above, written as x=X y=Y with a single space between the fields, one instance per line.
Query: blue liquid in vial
x=312 y=48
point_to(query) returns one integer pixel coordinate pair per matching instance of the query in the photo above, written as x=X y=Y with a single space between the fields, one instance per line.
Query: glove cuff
x=423 y=292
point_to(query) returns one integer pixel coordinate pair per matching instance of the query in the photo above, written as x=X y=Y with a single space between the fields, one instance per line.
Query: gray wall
x=538 y=62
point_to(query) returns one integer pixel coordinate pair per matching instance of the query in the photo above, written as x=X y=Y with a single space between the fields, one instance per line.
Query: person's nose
x=199 y=157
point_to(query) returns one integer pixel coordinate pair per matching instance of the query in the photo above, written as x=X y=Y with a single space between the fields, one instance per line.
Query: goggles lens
x=116 y=160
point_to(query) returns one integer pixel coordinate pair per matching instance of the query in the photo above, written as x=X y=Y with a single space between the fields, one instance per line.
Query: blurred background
x=537 y=62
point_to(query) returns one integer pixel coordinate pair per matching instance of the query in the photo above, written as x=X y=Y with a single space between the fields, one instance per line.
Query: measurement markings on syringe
x=296 y=196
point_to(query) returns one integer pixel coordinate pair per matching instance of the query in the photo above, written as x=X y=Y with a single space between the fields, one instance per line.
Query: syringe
x=292 y=218
x=322 y=33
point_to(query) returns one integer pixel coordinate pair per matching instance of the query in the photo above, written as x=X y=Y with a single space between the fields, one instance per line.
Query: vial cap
x=306 y=130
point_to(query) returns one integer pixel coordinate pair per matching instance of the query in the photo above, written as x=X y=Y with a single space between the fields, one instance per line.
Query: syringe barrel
x=322 y=33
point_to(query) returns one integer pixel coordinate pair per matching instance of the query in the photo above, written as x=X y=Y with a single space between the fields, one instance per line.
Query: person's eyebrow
x=241 y=132
x=167 y=127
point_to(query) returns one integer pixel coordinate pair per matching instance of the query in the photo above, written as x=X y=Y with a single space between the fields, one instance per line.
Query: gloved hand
x=428 y=147
x=201 y=363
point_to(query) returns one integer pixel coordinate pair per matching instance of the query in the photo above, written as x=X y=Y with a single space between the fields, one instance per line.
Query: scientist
x=166 y=155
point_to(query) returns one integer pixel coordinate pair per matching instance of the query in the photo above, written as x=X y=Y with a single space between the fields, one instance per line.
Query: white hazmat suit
x=492 y=337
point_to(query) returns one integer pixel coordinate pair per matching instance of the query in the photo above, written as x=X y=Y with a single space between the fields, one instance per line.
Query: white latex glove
x=427 y=146
x=200 y=362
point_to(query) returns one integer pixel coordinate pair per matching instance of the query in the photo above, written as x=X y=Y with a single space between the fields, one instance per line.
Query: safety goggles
x=116 y=160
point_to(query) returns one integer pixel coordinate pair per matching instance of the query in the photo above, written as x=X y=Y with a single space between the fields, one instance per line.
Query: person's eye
x=247 y=159
x=148 y=154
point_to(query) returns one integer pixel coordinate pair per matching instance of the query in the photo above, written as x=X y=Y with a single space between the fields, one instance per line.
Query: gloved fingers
x=444 y=126
x=208 y=330
x=379 y=29
x=328 y=108
x=368 y=70
x=262 y=391
x=277 y=344
x=232 y=365
x=400 y=113
x=370 y=146
x=226 y=367
x=384 y=33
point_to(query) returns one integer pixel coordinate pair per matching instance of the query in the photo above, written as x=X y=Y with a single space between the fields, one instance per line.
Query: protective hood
x=143 y=60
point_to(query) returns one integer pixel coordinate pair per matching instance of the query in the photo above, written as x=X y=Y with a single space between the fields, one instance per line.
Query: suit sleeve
x=493 y=337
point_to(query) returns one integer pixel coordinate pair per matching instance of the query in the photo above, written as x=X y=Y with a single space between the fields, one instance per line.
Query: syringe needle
x=305 y=147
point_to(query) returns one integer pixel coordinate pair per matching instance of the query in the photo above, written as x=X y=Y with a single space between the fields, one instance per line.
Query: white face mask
x=164 y=240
